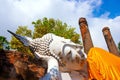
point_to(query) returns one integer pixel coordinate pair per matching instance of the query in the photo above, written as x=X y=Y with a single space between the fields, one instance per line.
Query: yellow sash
x=103 y=65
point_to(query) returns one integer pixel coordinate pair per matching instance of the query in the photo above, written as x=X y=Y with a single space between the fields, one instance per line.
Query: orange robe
x=103 y=65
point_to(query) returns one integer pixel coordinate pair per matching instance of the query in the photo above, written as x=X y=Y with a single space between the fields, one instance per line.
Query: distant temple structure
x=110 y=42
x=86 y=38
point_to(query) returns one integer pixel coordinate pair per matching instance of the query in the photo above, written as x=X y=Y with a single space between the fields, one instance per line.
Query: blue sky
x=99 y=14
x=111 y=6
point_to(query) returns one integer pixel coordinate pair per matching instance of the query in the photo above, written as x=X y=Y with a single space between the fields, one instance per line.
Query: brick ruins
x=18 y=66
x=109 y=41
x=86 y=38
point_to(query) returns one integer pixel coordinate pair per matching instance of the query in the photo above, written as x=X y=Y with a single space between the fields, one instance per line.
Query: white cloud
x=97 y=24
x=105 y=15
x=14 y=13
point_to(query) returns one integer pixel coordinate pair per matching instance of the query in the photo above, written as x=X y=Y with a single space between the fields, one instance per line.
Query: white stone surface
x=65 y=76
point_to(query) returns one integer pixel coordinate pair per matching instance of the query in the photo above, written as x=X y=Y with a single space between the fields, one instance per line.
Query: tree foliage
x=119 y=46
x=4 y=44
x=42 y=27
x=45 y=26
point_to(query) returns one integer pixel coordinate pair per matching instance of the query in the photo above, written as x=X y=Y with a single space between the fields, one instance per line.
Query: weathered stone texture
x=109 y=41
x=86 y=38
x=18 y=66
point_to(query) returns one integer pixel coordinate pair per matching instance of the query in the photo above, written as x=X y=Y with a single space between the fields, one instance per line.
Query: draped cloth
x=103 y=65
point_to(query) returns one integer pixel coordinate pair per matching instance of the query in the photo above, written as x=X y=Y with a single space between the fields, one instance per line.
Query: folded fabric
x=103 y=65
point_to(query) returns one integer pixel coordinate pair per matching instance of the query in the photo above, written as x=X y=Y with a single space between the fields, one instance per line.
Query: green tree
x=15 y=44
x=4 y=44
x=119 y=46
x=44 y=26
